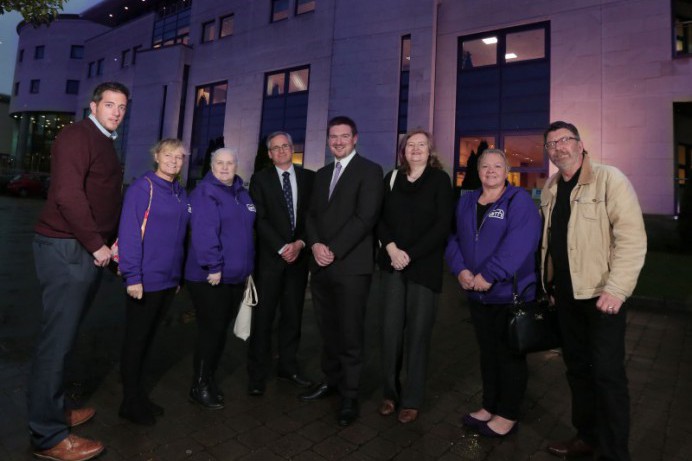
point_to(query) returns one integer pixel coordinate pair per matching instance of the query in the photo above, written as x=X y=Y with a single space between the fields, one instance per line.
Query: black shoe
x=296 y=379
x=318 y=392
x=137 y=412
x=201 y=394
x=255 y=389
x=348 y=412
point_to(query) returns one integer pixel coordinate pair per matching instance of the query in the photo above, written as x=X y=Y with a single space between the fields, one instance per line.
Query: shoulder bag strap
x=146 y=213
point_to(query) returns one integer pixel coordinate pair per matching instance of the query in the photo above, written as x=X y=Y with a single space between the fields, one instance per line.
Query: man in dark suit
x=344 y=209
x=281 y=194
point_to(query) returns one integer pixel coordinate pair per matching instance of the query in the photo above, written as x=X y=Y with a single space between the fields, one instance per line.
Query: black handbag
x=532 y=326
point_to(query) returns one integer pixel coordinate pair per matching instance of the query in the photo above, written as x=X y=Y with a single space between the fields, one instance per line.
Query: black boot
x=201 y=391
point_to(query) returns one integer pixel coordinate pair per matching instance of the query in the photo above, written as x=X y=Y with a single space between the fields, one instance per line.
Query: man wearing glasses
x=593 y=248
x=281 y=194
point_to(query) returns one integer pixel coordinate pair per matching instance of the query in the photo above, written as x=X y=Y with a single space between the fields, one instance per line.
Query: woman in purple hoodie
x=220 y=258
x=151 y=241
x=496 y=238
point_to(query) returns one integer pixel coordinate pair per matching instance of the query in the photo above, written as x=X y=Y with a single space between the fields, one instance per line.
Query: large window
x=207 y=127
x=503 y=101
x=279 y=10
x=285 y=106
x=682 y=30
x=39 y=52
x=172 y=25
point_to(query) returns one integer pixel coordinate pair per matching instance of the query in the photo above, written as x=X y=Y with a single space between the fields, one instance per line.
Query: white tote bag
x=243 y=321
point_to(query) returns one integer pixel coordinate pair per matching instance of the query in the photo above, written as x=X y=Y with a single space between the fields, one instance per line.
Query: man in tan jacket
x=593 y=248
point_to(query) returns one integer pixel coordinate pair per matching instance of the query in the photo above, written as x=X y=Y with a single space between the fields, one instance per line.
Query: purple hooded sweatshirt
x=157 y=260
x=221 y=231
x=505 y=244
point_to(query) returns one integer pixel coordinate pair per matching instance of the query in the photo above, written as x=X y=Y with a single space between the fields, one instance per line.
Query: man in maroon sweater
x=71 y=247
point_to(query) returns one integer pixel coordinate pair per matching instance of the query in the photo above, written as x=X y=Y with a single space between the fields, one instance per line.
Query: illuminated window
x=279 y=10
x=304 y=6
x=226 y=26
x=172 y=25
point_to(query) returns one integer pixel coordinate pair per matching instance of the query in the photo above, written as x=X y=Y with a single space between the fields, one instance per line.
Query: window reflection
x=478 y=53
x=298 y=80
x=522 y=46
x=276 y=84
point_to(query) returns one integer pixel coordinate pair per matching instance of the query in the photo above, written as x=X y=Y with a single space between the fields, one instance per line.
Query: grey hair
x=499 y=152
x=279 y=133
x=224 y=150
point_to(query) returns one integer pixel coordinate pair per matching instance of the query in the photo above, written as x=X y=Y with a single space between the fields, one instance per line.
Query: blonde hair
x=499 y=152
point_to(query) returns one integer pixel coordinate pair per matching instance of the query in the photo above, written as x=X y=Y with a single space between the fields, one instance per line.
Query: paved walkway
x=279 y=426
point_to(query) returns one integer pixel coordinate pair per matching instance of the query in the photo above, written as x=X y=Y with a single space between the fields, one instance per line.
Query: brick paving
x=278 y=426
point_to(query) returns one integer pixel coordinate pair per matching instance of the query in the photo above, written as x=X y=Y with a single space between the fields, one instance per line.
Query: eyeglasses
x=550 y=145
x=276 y=149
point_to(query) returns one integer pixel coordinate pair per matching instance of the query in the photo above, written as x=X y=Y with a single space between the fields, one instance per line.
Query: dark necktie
x=288 y=195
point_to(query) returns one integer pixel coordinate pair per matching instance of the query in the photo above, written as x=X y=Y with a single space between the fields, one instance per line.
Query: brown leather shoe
x=78 y=416
x=572 y=447
x=408 y=415
x=72 y=448
x=387 y=407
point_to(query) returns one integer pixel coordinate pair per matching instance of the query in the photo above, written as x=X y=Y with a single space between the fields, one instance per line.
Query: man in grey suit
x=281 y=194
x=344 y=209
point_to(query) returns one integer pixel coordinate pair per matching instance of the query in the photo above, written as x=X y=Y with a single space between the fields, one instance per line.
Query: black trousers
x=503 y=372
x=215 y=307
x=281 y=288
x=69 y=281
x=594 y=354
x=407 y=316
x=143 y=319
x=341 y=301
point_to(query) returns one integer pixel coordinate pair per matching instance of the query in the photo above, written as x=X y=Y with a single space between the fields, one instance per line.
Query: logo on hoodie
x=189 y=208
x=251 y=207
x=499 y=214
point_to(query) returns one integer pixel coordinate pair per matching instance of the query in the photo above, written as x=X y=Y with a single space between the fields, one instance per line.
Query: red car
x=28 y=184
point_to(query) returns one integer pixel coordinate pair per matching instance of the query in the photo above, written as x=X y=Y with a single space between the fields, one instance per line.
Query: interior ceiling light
x=511 y=56
x=490 y=40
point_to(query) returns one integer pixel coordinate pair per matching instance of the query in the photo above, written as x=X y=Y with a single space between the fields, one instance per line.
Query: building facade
x=230 y=72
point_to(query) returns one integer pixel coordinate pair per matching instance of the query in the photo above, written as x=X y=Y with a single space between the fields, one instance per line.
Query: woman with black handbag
x=497 y=234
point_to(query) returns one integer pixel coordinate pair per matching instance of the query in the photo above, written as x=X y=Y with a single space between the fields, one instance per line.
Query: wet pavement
x=278 y=425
